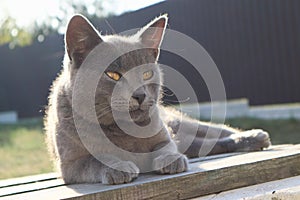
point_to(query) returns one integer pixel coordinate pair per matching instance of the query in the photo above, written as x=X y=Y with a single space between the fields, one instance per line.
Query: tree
x=14 y=35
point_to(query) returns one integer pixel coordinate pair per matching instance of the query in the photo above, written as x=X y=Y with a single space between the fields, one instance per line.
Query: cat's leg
x=169 y=160
x=202 y=147
x=78 y=165
x=119 y=172
x=252 y=140
x=177 y=121
x=226 y=139
x=88 y=169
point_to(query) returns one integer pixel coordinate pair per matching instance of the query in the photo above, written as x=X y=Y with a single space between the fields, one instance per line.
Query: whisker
x=100 y=104
x=109 y=25
x=104 y=113
x=103 y=109
x=178 y=108
x=168 y=95
x=178 y=101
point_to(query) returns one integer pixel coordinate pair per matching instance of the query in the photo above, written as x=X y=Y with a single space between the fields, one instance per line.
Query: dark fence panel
x=26 y=75
x=255 y=44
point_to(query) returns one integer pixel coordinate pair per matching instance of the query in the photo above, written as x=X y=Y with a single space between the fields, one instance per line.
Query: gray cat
x=81 y=154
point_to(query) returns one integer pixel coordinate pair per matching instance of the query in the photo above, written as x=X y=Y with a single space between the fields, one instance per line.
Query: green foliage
x=11 y=33
x=15 y=35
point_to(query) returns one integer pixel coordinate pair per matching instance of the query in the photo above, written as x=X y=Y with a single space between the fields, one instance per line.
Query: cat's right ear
x=152 y=34
x=80 y=38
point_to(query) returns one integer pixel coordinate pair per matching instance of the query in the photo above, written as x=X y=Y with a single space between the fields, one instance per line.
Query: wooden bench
x=210 y=176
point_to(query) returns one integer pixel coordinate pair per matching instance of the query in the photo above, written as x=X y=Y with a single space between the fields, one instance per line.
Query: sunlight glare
x=25 y=12
x=121 y=6
x=29 y=12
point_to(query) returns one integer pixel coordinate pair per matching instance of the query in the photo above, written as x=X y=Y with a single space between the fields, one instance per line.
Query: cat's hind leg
x=179 y=123
x=215 y=138
x=251 y=140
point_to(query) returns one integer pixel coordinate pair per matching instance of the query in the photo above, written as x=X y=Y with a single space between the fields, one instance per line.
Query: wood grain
x=27 y=179
x=204 y=177
x=288 y=188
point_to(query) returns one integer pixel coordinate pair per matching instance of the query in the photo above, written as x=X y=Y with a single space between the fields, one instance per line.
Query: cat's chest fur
x=131 y=143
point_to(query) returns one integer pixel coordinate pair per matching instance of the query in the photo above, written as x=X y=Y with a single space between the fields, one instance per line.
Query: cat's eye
x=113 y=75
x=147 y=75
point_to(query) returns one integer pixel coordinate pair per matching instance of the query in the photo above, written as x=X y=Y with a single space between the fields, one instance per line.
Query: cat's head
x=136 y=67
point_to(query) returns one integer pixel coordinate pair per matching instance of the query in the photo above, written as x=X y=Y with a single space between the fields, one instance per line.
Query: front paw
x=252 y=140
x=170 y=163
x=111 y=175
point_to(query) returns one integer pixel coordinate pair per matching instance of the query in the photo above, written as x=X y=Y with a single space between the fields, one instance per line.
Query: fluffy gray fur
x=76 y=164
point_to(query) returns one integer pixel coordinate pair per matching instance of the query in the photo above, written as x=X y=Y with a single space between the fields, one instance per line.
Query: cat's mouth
x=132 y=108
x=137 y=111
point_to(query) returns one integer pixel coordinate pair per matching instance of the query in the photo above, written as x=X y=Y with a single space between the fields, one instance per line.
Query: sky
x=27 y=11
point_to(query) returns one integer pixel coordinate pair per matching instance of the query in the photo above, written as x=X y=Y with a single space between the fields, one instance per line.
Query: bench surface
x=207 y=175
x=283 y=189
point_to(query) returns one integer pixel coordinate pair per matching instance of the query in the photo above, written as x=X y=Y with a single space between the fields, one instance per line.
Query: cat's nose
x=139 y=96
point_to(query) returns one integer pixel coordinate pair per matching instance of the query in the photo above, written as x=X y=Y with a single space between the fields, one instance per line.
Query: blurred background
x=254 y=43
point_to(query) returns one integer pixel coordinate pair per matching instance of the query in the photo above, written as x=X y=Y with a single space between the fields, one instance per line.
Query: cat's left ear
x=80 y=38
x=152 y=34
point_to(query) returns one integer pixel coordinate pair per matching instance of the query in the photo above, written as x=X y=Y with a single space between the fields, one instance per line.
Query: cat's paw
x=112 y=176
x=170 y=163
x=252 y=140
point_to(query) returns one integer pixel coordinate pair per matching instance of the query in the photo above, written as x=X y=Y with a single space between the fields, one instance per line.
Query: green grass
x=23 y=150
x=281 y=131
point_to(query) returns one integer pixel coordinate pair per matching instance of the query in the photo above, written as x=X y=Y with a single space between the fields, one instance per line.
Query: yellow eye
x=147 y=75
x=113 y=75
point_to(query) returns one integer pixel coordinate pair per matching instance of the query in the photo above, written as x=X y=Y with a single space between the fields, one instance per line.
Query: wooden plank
x=20 y=184
x=14 y=186
x=17 y=189
x=288 y=188
x=27 y=179
x=213 y=157
x=206 y=177
x=224 y=155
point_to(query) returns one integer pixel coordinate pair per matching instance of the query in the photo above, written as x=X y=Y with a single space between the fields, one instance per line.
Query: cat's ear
x=152 y=34
x=80 y=38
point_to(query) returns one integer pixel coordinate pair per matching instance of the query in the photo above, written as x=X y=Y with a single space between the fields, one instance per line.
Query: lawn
x=23 y=150
x=281 y=131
